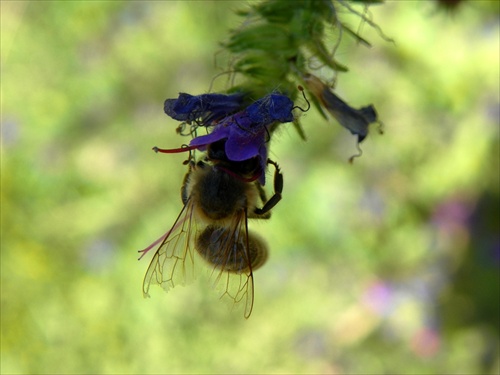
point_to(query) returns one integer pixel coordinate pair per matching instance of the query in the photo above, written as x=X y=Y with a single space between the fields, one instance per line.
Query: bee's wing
x=173 y=262
x=233 y=271
x=239 y=288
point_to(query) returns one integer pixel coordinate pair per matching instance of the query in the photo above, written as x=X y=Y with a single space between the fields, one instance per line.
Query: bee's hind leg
x=264 y=212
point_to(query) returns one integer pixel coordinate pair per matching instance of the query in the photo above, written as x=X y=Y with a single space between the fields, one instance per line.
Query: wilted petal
x=356 y=121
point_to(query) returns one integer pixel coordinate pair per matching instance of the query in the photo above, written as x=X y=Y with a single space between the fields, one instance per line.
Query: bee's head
x=246 y=169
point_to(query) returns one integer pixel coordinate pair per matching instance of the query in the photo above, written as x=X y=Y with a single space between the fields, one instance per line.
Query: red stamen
x=174 y=150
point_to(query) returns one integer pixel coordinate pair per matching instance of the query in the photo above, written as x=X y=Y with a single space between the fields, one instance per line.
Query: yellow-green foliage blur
x=389 y=265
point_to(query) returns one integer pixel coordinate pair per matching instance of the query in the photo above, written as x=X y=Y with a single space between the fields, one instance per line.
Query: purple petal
x=220 y=132
x=273 y=107
x=240 y=148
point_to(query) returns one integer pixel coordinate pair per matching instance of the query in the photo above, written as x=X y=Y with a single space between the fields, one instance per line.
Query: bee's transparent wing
x=239 y=288
x=232 y=273
x=173 y=263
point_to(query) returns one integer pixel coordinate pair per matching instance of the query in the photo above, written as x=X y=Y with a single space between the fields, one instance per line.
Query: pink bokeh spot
x=426 y=343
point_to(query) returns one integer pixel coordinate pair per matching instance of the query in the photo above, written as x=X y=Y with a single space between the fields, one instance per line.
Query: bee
x=219 y=197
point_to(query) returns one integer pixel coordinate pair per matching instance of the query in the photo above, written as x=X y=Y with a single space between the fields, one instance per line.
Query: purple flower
x=246 y=132
x=271 y=108
x=203 y=109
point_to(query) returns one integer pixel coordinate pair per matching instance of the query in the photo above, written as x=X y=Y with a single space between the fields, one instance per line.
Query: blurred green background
x=389 y=265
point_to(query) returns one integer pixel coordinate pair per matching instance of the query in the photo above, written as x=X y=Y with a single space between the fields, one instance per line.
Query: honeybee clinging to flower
x=219 y=197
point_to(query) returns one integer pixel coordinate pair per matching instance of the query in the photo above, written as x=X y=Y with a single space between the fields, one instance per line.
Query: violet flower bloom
x=355 y=120
x=246 y=132
x=203 y=109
